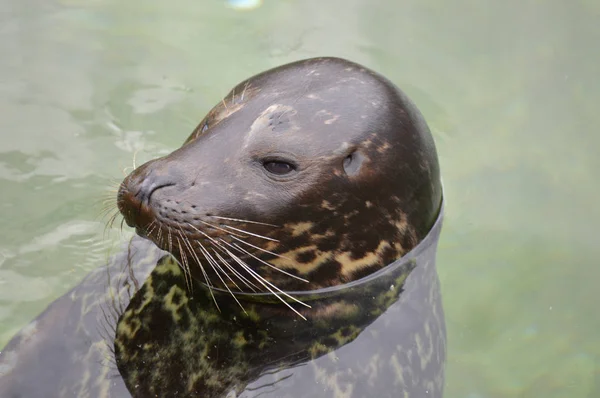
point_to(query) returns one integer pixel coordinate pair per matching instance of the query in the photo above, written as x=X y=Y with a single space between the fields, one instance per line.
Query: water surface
x=510 y=90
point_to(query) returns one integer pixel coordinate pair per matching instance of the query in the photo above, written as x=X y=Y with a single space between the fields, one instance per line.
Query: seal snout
x=135 y=195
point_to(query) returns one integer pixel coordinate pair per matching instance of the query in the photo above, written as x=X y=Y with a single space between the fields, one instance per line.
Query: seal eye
x=279 y=168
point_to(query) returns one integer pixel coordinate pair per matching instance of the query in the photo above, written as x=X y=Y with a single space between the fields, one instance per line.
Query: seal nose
x=150 y=185
x=135 y=195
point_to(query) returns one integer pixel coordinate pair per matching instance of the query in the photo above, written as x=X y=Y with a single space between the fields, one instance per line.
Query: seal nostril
x=148 y=187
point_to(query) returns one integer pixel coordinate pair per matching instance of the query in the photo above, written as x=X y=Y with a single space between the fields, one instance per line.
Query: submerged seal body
x=290 y=239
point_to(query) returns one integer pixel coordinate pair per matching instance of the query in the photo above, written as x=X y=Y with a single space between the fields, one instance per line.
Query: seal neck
x=397 y=269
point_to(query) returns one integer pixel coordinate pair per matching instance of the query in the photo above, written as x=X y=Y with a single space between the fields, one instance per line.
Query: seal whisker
x=218 y=228
x=270 y=287
x=170 y=240
x=207 y=280
x=255 y=274
x=159 y=235
x=269 y=264
x=213 y=263
x=108 y=193
x=134 y=156
x=109 y=223
x=185 y=266
x=223 y=271
x=104 y=212
x=250 y=233
x=201 y=232
x=151 y=227
x=124 y=170
x=106 y=202
x=151 y=231
x=246 y=281
x=111 y=220
x=245 y=221
x=230 y=254
x=260 y=248
x=244 y=90
x=241 y=277
x=218 y=245
x=188 y=244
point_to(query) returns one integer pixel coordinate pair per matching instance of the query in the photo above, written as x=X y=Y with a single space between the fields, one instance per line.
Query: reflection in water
x=382 y=336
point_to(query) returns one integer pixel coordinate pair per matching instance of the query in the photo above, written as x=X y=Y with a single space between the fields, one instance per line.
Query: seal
x=295 y=227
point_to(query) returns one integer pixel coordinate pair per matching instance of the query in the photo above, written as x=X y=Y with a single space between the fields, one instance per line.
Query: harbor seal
x=290 y=238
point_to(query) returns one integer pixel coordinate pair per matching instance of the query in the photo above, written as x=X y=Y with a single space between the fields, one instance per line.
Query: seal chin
x=141 y=232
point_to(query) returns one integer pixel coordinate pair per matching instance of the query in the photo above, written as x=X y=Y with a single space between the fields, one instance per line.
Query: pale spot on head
x=332 y=120
x=261 y=123
x=384 y=147
x=252 y=195
x=328 y=116
x=368 y=204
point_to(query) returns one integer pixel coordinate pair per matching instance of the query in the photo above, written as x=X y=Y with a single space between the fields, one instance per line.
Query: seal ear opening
x=353 y=162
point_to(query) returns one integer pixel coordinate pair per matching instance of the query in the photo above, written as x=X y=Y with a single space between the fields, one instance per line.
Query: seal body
x=292 y=237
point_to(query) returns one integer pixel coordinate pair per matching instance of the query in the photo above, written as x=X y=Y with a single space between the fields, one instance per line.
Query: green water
x=510 y=89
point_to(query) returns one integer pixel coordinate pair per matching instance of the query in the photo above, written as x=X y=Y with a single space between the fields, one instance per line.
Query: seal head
x=309 y=175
